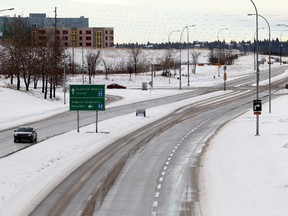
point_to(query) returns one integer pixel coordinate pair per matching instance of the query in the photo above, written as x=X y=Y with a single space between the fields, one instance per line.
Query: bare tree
x=93 y=59
x=17 y=39
x=107 y=68
x=135 y=56
x=195 y=58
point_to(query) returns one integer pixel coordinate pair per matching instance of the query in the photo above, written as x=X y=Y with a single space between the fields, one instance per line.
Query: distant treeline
x=277 y=47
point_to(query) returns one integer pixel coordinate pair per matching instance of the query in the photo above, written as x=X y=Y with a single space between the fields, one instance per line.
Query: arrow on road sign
x=257 y=106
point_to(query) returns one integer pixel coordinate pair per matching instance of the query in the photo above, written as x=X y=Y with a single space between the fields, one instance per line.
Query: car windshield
x=25 y=129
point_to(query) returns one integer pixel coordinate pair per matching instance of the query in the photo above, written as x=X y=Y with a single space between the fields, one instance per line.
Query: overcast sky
x=153 y=20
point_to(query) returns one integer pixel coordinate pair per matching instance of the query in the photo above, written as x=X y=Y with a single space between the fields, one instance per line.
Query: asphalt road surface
x=152 y=171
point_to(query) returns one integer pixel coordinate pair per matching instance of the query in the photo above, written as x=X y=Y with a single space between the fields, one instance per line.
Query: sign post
x=257 y=108
x=87 y=98
x=225 y=76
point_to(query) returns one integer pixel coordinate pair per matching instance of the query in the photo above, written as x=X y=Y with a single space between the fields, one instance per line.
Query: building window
x=88 y=44
x=80 y=32
x=80 y=44
x=106 y=32
x=42 y=31
x=88 y=31
x=111 y=32
x=74 y=32
x=111 y=38
x=106 y=44
x=65 y=31
x=99 y=34
x=41 y=38
x=88 y=37
x=80 y=38
x=65 y=44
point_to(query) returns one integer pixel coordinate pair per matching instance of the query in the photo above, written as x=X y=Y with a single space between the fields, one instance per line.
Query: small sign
x=257 y=105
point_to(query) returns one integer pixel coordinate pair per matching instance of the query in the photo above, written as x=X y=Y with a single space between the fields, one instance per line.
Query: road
x=66 y=121
x=152 y=171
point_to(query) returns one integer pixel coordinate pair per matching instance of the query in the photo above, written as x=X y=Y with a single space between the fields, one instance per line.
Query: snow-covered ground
x=242 y=174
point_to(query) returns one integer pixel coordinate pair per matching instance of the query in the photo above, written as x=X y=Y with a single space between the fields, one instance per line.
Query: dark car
x=25 y=133
x=115 y=86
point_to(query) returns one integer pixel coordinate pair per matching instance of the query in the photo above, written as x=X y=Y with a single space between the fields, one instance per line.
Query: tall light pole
x=219 y=49
x=169 y=53
x=269 y=57
x=281 y=42
x=257 y=66
x=6 y=9
x=180 y=53
x=255 y=48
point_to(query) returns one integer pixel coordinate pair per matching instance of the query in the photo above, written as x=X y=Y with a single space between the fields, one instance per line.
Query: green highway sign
x=87 y=97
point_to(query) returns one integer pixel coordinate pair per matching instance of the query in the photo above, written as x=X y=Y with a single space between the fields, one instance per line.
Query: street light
x=281 y=42
x=219 y=49
x=180 y=54
x=269 y=57
x=255 y=48
x=169 y=52
x=6 y=9
x=257 y=68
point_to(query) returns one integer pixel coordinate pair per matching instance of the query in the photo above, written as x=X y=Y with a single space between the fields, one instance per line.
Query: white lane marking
x=155 y=203
x=167 y=163
x=163 y=173
x=89 y=198
x=159 y=186
x=165 y=167
x=157 y=194
x=161 y=179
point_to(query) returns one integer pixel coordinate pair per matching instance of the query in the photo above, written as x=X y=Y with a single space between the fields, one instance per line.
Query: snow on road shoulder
x=35 y=171
x=244 y=174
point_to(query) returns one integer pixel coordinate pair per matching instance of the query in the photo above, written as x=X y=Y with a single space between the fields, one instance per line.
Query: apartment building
x=71 y=32
x=76 y=37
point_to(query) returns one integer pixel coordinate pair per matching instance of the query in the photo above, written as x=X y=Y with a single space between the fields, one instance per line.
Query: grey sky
x=153 y=20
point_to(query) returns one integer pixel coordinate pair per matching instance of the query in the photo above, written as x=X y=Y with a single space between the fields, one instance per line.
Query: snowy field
x=249 y=170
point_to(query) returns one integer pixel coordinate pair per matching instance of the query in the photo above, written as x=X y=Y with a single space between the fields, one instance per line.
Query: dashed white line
x=80 y=213
x=89 y=198
x=159 y=186
x=155 y=203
